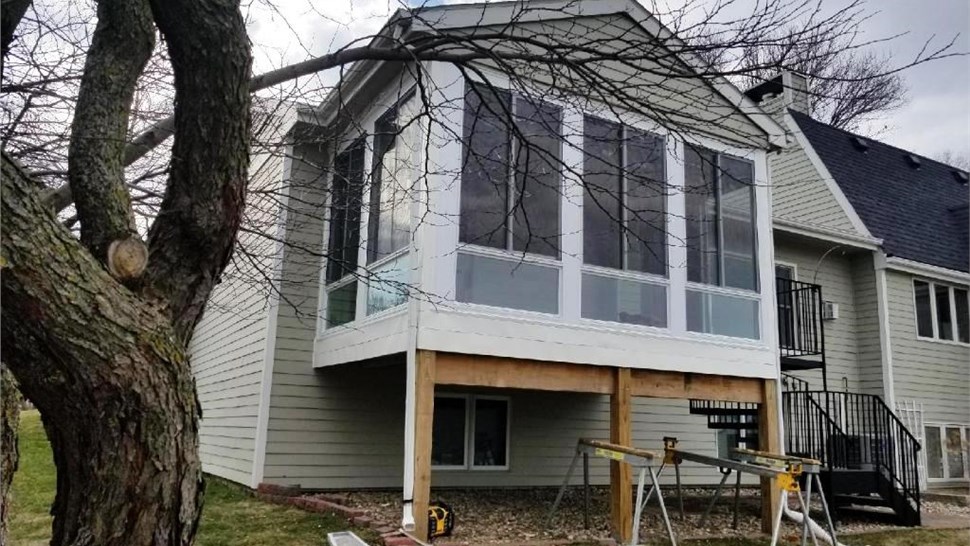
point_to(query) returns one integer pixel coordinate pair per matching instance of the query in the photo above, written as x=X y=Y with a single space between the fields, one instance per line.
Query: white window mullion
x=363 y=286
x=954 y=319
x=933 y=317
x=676 y=237
x=571 y=215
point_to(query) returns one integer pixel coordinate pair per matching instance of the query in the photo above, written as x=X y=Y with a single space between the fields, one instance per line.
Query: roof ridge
x=796 y=113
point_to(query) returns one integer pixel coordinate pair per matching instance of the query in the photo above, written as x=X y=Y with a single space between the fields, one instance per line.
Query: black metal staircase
x=869 y=458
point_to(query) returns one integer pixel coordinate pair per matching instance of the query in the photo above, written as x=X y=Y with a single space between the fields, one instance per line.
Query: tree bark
x=122 y=43
x=111 y=378
x=10 y=401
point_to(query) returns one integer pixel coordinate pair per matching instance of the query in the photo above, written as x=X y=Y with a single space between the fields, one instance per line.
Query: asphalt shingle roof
x=919 y=213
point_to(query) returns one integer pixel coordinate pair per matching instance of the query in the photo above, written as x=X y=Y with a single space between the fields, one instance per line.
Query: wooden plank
x=424 y=421
x=516 y=373
x=769 y=440
x=621 y=433
x=664 y=384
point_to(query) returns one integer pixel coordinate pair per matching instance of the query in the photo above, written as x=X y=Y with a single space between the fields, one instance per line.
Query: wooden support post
x=621 y=432
x=424 y=402
x=769 y=440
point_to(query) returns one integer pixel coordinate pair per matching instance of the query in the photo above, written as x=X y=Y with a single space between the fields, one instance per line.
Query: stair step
x=747 y=412
x=862 y=500
x=732 y=426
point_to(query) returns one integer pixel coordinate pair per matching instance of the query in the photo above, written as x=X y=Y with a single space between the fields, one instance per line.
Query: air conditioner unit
x=830 y=310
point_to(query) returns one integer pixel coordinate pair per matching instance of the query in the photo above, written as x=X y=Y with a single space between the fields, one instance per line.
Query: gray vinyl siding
x=834 y=273
x=346 y=432
x=800 y=194
x=228 y=347
x=867 y=325
x=936 y=374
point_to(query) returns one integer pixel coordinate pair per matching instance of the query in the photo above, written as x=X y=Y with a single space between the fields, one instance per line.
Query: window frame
x=517 y=257
x=350 y=277
x=469 y=432
x=625 y=231
x=934 y=317
x=964 y=442
x=719 y=214
x=511 y=190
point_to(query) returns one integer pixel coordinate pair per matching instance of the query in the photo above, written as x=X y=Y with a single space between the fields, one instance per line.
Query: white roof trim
x=925 y=270
x=827 y=177
x=826 y=234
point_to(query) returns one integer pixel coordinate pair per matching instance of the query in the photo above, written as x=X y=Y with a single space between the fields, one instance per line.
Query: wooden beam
x=621 y=432
x=424 y=421
x=517 y=373
x=769 y=440
x=664 y=384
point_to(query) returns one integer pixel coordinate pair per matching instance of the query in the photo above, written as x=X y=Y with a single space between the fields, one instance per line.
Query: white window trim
x=954 y=327
x=469 y=441
x=964 y=439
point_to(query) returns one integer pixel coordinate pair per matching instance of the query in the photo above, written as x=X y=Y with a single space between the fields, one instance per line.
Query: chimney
x=786 y=90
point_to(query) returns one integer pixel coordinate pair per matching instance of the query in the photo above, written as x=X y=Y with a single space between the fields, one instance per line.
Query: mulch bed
x=494 y=516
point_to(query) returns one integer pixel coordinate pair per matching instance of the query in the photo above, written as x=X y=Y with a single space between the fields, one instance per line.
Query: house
x=884 y=233
x=431 y=323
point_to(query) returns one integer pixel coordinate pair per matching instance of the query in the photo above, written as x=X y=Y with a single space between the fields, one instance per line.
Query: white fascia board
x=923 y=270
x=826 y=234
x=827 y=177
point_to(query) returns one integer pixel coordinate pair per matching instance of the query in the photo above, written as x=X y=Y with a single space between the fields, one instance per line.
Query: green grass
x=232 y=517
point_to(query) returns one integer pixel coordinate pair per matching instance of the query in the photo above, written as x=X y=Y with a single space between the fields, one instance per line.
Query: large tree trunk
x=108 y=373
x=103 y=355
x=10 y=401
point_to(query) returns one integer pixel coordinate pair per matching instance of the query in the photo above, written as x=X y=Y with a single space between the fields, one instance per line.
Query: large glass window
x=344 y=238
x=721 y=236
x=942 y=311
x=511 y=283
x=345 y=200
x=721 y=244
x=475 y=425
x=722 y=314
x=624 y=206
x=631 y=301
x=510 y=182
x=388 y=285
x=388 y=226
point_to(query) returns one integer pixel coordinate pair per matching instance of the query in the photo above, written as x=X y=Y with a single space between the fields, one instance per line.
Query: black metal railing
x=853 y=431
x=800 y=328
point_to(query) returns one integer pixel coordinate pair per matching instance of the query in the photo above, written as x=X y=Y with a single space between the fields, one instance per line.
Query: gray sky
x=937 y=116
x=935 y=119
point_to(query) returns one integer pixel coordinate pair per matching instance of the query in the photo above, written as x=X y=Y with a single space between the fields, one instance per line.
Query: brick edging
x=293 y=495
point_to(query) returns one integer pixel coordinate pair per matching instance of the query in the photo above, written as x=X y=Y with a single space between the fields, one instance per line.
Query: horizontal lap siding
x=228 y=347
x=835 y=275
x=801 y=195
x=867 y=326
x=936 y=374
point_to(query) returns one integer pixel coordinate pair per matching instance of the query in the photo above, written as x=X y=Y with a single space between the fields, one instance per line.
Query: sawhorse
x=647 y=463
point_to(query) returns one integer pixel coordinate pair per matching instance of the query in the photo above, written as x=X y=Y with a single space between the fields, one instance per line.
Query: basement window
x=947 y=452
x=470 y=432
